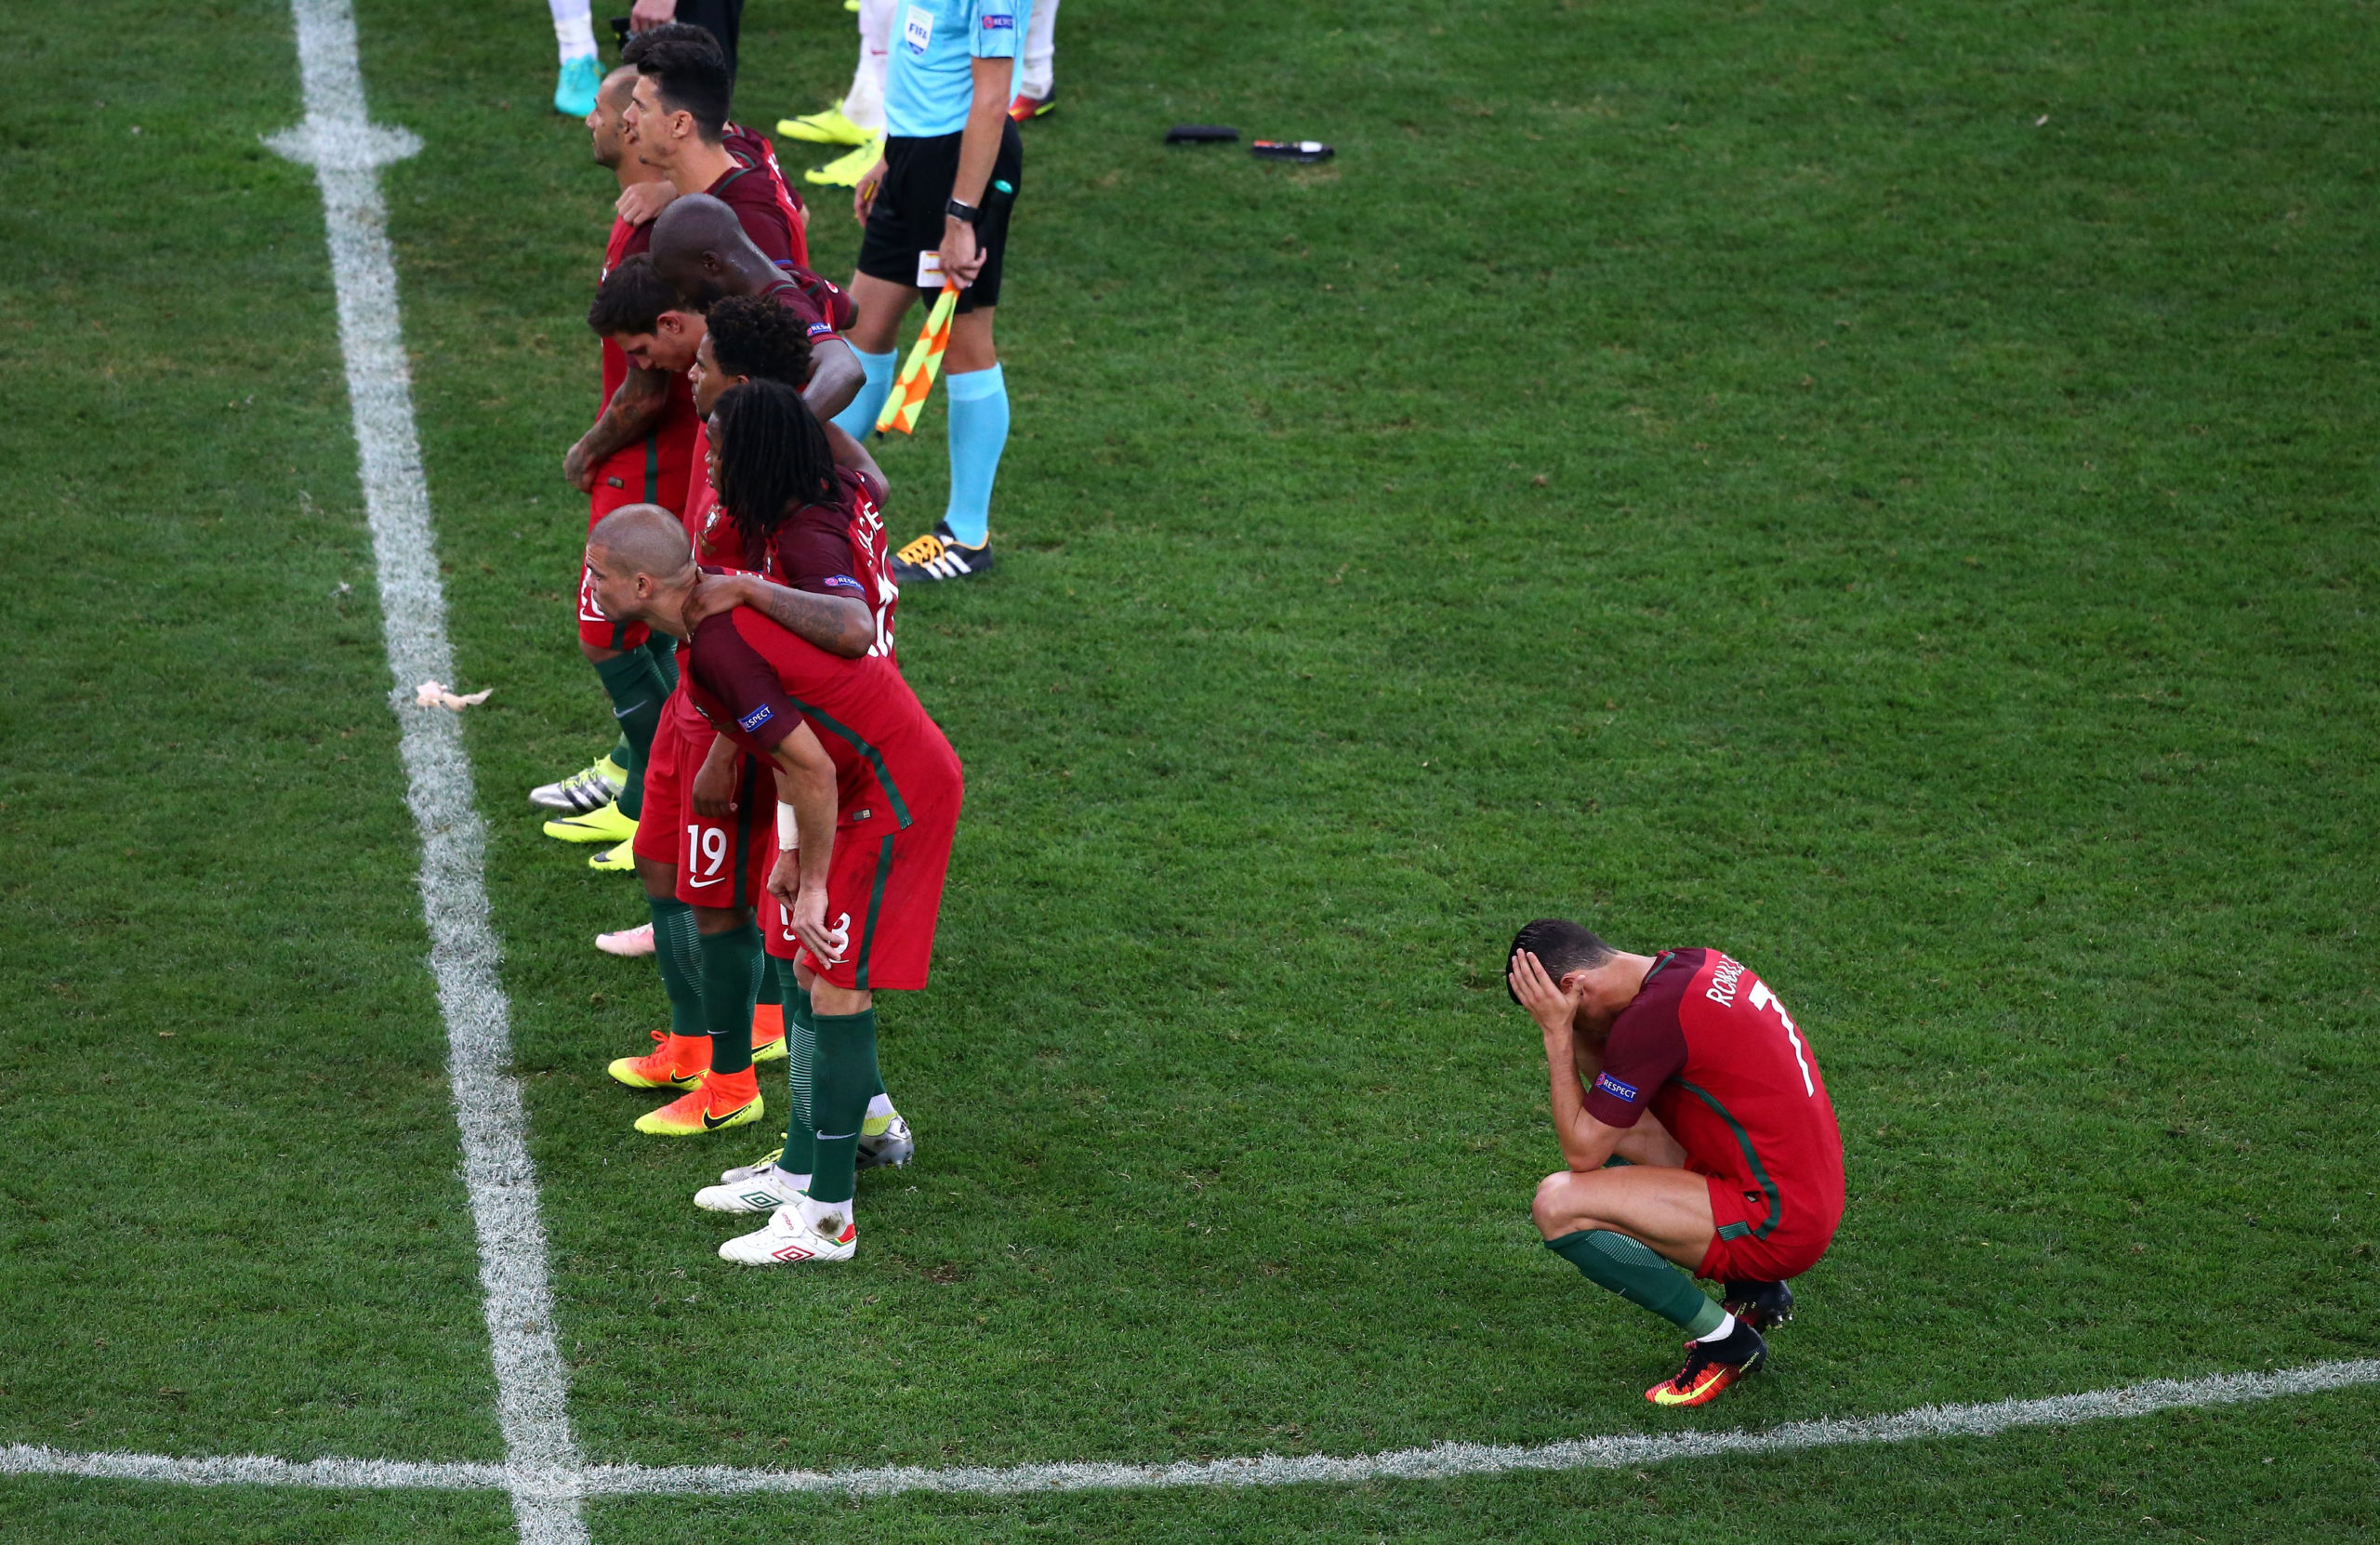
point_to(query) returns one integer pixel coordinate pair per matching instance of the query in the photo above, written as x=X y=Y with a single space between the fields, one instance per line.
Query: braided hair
x=773 y=459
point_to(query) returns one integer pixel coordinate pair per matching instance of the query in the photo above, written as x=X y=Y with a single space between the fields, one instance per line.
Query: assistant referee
x=938 y=205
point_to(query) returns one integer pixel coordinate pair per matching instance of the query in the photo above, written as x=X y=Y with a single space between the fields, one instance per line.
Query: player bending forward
x=1685 y=1075
x=868 y=794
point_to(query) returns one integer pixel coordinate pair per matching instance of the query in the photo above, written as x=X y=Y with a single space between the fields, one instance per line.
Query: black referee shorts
x=907 y=217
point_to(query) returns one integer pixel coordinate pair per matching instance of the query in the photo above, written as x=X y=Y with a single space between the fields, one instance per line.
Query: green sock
x=732 y=963
x=801 y=1155
x=637 y=692
x=772 y=983
x=1633 y=1272
x=663 y=649
x=619 y=753
x=846 y=1067
x=677 y=948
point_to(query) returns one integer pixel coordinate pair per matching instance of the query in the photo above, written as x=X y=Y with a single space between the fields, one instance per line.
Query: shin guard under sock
x=732 y=963
x=801 y=1063
x=846 y=1070
x=1633 y=1272
x=858 y=419
x=677 y=950
x=637 y=693
x=978 y=402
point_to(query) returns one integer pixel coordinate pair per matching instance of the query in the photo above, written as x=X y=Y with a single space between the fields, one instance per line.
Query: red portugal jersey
x=753 y=680
x=652 y=470
x=753 y=148
x=763 y=204
x=1709 y=1049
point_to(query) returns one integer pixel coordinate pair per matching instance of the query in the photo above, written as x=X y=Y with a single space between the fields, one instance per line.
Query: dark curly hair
x=752 y=336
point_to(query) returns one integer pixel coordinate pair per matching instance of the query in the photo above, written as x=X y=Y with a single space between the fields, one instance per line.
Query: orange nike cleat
x=677 y=1062
x=1710 y=1366
x=725 y=1099
x=768 y=1032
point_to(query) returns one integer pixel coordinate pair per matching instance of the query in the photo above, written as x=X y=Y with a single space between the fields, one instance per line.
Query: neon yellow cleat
x=585 y=790
x=603 y=824
x=723 y=1101
x=619 y=860
x=675 y=1062
x=829 y=127
x=846 y=171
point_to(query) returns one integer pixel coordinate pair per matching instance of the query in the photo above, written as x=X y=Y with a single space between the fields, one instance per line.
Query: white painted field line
x=346 y=153
x=1442 y=1461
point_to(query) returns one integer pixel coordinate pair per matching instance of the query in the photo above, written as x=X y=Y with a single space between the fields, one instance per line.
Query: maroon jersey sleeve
x=745 y=190
x=1647 y=1044
x=737 y=677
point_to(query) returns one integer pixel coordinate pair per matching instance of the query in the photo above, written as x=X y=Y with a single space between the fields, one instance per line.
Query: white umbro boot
x=827 y=1234
x=764 y=1191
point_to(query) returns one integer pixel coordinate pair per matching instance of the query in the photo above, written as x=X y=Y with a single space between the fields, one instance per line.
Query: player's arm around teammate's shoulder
x=835 y=376
x=839 y=625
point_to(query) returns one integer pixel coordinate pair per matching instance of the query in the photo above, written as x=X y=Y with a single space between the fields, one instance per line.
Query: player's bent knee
x=1554 y=1208
x=827 y=998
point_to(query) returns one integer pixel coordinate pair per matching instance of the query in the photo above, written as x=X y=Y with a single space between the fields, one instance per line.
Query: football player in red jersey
x=638 y=450
x=771 y=453
x=868 y=795
x=698 y=785
x=677 y=120
x=705 y=249
x=1684 y=1068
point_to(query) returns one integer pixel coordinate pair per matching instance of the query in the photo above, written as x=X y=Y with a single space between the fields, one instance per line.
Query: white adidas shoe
x=765 y=1191
x=788 y=1241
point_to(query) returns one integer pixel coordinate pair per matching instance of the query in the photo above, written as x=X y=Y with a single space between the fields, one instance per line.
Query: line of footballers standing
x=784 y=800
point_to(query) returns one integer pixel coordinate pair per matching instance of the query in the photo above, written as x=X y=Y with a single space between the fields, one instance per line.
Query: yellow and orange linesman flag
x=917 y=377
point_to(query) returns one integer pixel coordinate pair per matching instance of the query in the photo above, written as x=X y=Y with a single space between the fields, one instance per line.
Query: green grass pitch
x=1886 y=490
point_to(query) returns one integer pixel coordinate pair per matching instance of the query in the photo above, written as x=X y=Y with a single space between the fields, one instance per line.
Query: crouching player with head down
x=868 y=793
x=1684 y=1075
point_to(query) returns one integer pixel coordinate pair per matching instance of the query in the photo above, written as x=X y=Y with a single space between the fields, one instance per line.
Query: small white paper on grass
x=433 y=694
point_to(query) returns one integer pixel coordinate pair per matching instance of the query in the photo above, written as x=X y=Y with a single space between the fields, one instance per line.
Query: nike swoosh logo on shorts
x=698 y=884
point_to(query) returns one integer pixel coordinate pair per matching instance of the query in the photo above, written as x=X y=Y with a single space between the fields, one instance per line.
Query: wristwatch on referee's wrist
x=958 y=209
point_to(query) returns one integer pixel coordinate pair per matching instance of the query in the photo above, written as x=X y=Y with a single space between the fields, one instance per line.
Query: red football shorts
x=1802 y=1228
x=721 y=864
x=885 y=887
x=668 y=768
x=627 y=477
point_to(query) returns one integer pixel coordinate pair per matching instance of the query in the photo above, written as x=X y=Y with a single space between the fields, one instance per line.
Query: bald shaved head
x=603 y=125
x=641 y=566
x=699 y=246
x=643 y=540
